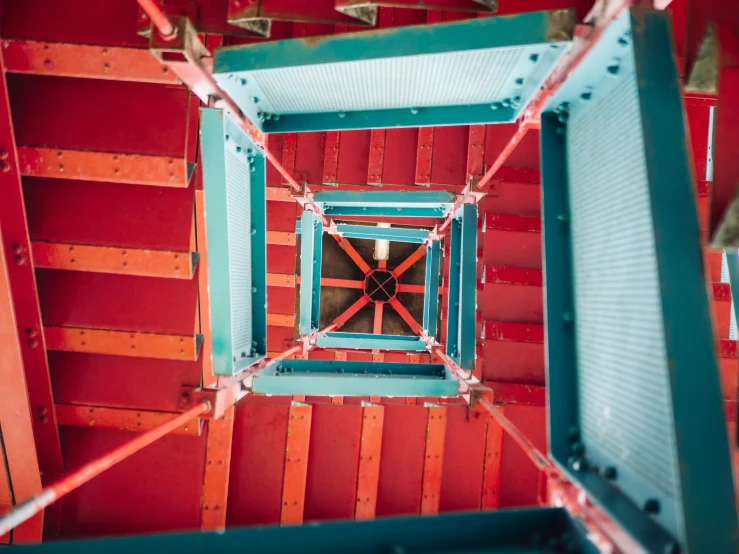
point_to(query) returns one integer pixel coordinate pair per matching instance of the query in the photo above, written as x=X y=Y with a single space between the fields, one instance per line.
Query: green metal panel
x=452 y=312
x=311 y=247
x=431 y=296
x=235 y=203
x=525 y=531
x=370 y=232
x=337 y=378
x=475 y=71
x=369 y=341
x=635 y=411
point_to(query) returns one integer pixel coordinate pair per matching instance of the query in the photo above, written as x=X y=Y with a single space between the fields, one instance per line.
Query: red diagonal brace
x=353 y=254
x=419 y=253
x=407 y=317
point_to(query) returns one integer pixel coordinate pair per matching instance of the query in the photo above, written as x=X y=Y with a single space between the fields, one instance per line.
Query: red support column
x=296 y=463
x=24 y=336
x=433 y=461
x=369 y=461
x=425 y=155
x=217 y=470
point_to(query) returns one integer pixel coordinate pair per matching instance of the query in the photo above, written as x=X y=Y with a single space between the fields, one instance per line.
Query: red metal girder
x=289 y=152
x=350 y=311
x=377 y=324
x=376 y=157
x=123 y=343
x=521 y=332
x=513 y=275
x=433 y=460
x=123 y=261
x=476 y=151
x=491 y=466
x=120 y=419
x=281 y=320
x=22 y=296
x=136 y=169
x=424 y=157
x=353 y=254
x=217 y=471
x=281 y=237
x=296 y=463
x=331 y=158
x=339 y=356
x=507 y=222
x=405 y=314
x=373 y=418
x=20 y=466
x=280 y=280
x=418 y=253
x=80 y=60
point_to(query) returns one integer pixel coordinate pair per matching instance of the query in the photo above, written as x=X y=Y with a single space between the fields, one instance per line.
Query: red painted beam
x=121 y=419
x=416 y=327
x=373 y=418
x=376 y=157
x=85 y=61
x=425 y=155
x=281 y=237
x=377 y=324
x=296 y=464
x=433 y=460
x=21 y=295
x=349 y=313
x=331 y=158
x=123 y=343
x=347 y=247
x=136 y=169
x=492 y=466
x=217 y=471
x=419 y=253
x=513 y=275
x=122 y=261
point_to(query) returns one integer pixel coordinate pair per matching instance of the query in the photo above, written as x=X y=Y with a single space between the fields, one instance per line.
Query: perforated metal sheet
x=458 y=78
x=239 y=250
x=625 y=411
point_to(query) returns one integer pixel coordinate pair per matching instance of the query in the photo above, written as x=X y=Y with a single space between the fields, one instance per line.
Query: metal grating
x=239 y=251
x=625 y=408
x=449 y=79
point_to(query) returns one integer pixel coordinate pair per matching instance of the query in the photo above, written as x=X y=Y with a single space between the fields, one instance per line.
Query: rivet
x=61 y=168
x=414 y=111
x=519 y=81
x=613 y=69
x=243 y=82
x=255 y=99
x=567 y=316
x=47 y=64
x=106 y=67
x=587 y=95
x=533 y=58
x=342 y=115
x=105 y=51
x=3 y=154
x=651 y=506
x=610 y=473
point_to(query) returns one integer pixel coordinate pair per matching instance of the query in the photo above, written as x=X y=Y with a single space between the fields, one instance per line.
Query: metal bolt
x=651 y=506
x=255 y=100
x=243 y=82
x=610 y=473
x=106 y=67
x=563 y=117
x=238 y=148
x=342 y=115
x=519 y=81
x=623 y=41
x=414 y=111
x=587 y=95
x=567 y=316
x=495 y=105
x=533 y=58
x=3 y=154
x=613 y=69
x=47 y=64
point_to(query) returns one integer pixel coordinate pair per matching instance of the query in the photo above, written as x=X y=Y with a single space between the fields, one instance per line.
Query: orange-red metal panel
x=376 y=156
x=280 y=237
x=119 y=419
x=257 y=462
x=105 y=259
x=334 y=460
x=464 y=451
x=79 y=60
x=419 y=253
x=217 y=470
x=160 y=171
x=280 y=280
x=520 y=478
x=331 y=159
x=124 y=498
x=433 y=463
x=203 y=297
x=369 y=462
x=425 y=154
x=122 y=343
x=296 y=464
x=403 y=447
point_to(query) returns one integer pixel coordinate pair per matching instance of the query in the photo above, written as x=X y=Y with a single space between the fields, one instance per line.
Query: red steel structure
x=104 y=338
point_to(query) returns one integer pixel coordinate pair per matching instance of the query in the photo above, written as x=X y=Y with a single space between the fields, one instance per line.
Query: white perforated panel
x=469 y=77
x=239 y=250
x=625 y=406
